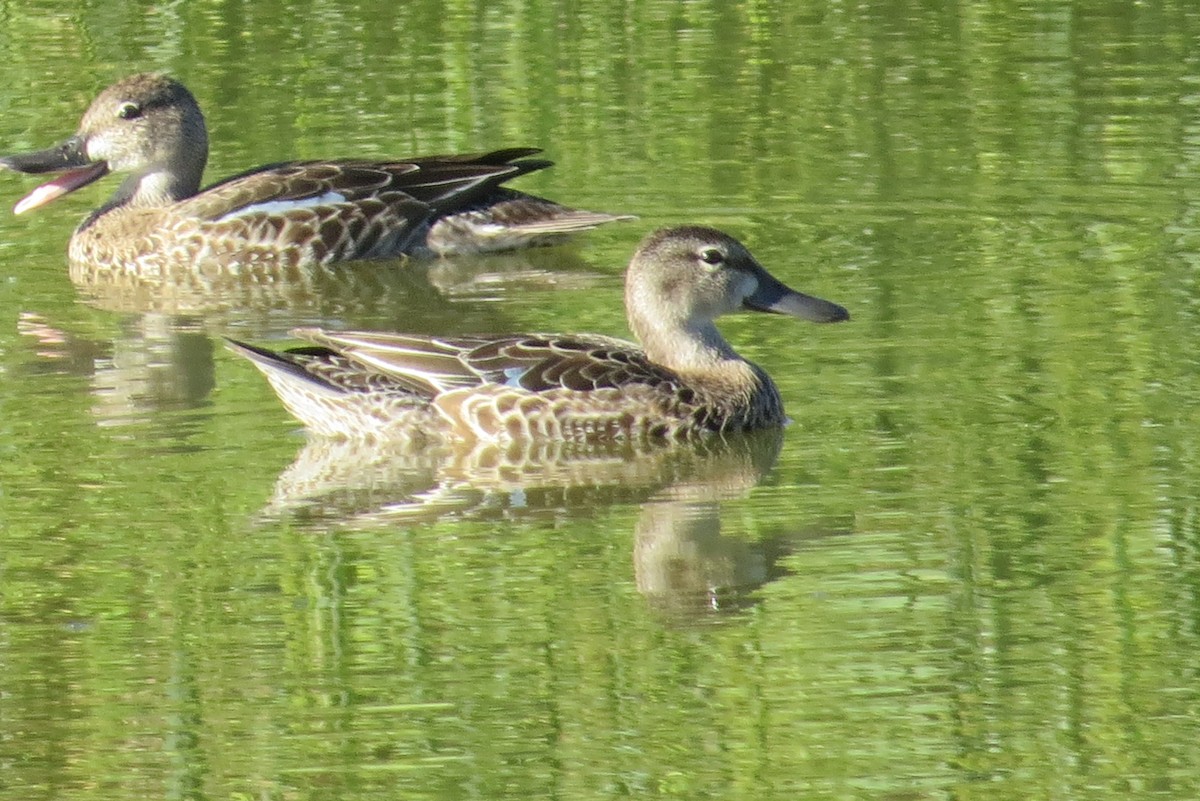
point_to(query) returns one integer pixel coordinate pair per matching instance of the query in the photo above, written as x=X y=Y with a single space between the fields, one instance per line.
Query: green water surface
x=970 y=568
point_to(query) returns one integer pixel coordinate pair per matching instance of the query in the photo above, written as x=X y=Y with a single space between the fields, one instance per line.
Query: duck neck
x=738 y=392
x=149 y=190
x=685 y=347
x=154 y=188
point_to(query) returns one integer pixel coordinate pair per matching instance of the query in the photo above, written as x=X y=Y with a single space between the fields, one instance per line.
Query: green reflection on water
x=980 y=532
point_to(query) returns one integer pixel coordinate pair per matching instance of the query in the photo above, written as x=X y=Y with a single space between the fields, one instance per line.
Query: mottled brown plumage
x=583 y=388
x=291 y=214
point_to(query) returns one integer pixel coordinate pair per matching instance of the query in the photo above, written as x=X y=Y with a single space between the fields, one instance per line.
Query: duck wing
x=535 y=363
x=348 y=209
x=437 y=181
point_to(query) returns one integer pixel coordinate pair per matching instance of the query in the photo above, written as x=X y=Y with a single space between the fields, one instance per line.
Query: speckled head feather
x=148 y=125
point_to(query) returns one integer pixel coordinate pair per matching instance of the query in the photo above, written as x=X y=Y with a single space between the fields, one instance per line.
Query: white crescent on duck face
x=292 y=213
x=684 y=380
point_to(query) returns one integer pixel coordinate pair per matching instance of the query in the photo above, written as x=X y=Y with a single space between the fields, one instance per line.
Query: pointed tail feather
x=279 y=366
x=570 y=221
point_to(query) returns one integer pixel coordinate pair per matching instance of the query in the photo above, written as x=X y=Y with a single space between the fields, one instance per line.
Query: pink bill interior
x=66 y=182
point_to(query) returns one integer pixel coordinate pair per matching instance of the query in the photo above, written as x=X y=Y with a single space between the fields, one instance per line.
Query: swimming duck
x=684 y=380
x=297 y=213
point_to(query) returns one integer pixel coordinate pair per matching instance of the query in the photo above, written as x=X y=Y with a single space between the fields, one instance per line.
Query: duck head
x=148 y=125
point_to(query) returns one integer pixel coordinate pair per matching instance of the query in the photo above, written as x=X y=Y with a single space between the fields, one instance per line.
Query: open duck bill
x=774 y=296
x=69 y=159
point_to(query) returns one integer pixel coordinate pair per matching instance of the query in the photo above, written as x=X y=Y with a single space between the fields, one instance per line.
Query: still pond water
x=970 y=569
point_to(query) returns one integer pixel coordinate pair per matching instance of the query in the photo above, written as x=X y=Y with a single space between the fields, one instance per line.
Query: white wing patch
x=281 y=206
x=513 y=376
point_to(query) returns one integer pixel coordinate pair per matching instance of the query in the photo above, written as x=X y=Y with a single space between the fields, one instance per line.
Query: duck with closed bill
x=297 y=214
x=684 y=380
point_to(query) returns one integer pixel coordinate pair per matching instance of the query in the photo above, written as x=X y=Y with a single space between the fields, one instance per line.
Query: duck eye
x=129 y=111
x=712 y=256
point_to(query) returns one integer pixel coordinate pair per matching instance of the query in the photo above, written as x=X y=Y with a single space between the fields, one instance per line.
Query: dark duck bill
x=69 y=159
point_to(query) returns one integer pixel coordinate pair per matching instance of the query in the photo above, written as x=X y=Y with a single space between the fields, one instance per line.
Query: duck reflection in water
x=161 y=357
x=686 y=565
